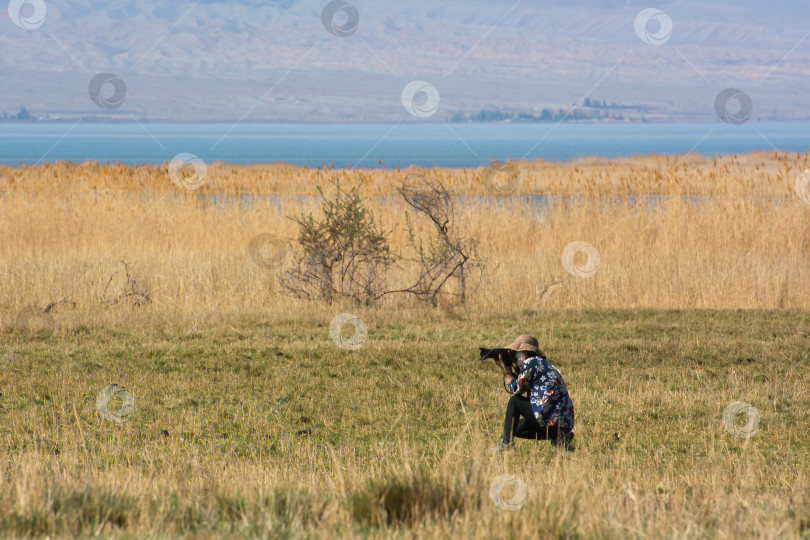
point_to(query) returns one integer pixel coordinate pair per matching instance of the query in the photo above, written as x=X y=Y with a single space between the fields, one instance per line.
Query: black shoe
x=563 y=440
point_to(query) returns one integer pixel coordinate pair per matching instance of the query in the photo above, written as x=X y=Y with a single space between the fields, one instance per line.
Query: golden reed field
x=661 y=232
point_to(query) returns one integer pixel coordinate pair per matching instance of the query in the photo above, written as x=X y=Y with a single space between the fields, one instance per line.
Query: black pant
x=528 y=427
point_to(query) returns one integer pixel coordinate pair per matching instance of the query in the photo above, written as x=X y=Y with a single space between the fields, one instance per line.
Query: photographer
x=547 y=413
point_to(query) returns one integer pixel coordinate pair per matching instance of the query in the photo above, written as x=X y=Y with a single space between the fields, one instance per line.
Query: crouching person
x=547 y=412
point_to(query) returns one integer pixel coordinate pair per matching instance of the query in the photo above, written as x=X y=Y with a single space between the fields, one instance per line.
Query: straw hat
x=526 y=343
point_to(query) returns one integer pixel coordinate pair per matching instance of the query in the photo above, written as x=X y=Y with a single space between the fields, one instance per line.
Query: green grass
x=399 y=427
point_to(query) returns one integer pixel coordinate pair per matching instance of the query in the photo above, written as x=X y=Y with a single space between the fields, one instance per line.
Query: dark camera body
x=508 y=356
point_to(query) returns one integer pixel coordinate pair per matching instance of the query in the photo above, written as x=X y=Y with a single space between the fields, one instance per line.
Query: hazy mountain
x=274 y=59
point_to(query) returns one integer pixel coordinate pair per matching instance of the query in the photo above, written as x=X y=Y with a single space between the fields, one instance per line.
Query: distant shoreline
x=122 y=121
x=595 y=159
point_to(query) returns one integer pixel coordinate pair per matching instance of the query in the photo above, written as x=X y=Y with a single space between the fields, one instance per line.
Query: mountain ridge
x=267 y=56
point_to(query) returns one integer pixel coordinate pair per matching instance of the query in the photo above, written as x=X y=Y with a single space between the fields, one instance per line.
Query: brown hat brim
x=525 y=343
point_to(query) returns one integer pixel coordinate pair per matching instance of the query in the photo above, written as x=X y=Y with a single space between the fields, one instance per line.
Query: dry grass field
x=242 y=413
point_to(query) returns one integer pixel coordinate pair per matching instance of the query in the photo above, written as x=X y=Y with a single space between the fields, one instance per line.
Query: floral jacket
x=547 y=392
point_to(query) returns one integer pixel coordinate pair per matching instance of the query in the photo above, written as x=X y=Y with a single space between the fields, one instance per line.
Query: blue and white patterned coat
x=547 y=392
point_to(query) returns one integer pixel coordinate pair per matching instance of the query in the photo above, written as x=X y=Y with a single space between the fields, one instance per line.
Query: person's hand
x=509 y=376
x=501 y=364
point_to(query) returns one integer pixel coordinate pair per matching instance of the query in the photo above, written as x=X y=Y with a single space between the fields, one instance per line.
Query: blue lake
x=384 y=145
